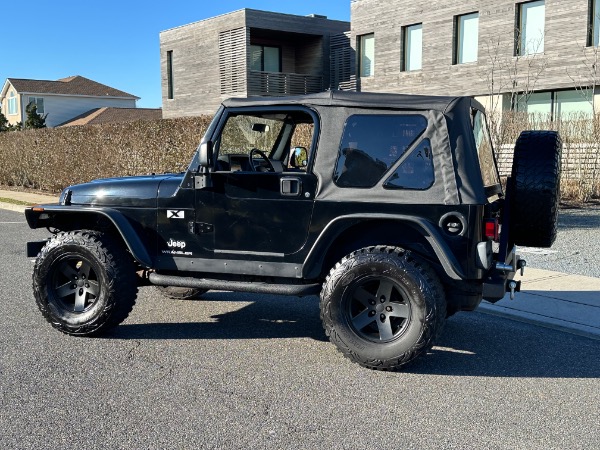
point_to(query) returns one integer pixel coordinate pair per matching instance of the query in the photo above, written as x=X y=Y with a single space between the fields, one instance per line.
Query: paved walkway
x=27 y=197
x=552 y=299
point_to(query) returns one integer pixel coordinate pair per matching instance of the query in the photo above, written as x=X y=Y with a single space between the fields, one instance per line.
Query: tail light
x=490 y=229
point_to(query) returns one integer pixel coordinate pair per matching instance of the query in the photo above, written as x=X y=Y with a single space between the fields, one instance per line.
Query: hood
x=135 y=192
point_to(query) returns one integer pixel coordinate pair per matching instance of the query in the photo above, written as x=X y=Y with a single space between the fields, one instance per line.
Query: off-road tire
x=84 y=283
x=370 y=283
x=181 y=293
x=535 y=188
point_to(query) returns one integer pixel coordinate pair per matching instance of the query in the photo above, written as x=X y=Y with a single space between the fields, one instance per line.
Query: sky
x=115 y=42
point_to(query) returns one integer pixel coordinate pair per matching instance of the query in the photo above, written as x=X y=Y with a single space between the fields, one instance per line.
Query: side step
x=297 y=290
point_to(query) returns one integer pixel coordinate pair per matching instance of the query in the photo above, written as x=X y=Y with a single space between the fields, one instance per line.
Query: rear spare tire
x=535 y=188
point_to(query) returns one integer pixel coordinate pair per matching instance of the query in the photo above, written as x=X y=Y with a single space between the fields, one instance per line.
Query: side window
x=371 y=144
x=265 y=141
x=416 y=171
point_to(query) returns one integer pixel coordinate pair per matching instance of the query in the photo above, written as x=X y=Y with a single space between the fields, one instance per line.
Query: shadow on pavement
x=472 y=344
x=579 y=218
x=476 y=344
x=265 y=317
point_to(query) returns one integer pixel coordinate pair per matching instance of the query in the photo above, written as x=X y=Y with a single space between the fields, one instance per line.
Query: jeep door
x=261 y=196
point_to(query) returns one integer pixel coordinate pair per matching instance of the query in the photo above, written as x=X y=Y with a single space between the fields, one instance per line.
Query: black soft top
x=405 y=102
x=458 y=177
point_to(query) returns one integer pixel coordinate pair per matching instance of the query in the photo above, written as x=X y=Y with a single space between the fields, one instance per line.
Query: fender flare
x=342 y=223
x=130 y=237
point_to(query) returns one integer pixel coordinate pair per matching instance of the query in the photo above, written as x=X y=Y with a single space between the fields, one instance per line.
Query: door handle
x=290 y=186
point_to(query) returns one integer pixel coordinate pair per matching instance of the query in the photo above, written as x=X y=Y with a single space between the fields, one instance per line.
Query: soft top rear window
x=485 y=151
x=372 y=144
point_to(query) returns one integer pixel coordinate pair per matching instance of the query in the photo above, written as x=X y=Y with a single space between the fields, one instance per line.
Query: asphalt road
x=252 y=372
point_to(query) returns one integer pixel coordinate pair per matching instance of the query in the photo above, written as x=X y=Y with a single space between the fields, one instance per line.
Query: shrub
x=51 y=159
x=580 y=179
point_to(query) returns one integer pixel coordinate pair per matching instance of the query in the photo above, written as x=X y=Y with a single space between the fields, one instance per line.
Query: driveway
x=248 y=371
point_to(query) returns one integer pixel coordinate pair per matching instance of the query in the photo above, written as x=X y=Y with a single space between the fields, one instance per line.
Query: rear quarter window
x=416 y=171
x=485 y=152
x=372 y=144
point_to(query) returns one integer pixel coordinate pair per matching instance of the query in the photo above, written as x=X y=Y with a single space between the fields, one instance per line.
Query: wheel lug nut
x=87 y=285
x=388 y=309
x=76 y=278
x=372 y=302
x=382 y=299
x=382 y=317
x=372 y=313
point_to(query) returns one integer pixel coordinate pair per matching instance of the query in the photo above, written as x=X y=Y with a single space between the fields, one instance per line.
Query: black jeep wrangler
x=389 y=206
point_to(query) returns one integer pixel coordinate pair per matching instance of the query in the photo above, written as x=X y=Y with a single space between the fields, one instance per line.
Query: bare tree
x=512 y=69
x=586 y=78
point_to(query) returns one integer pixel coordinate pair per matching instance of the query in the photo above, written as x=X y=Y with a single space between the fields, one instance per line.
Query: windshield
x=485 y=151
x=245 y=132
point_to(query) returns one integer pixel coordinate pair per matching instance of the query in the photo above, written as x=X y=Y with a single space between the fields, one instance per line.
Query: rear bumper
x=500 y=280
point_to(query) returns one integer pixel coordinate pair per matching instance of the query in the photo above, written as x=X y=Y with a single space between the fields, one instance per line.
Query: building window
x=366 y=46
x=556 y=105
x=538 y=103
x=170 y=90
x=265 y=59
x=594 y=24
x=38 y=102
x=12 y=104
x=574 y=103
x=467 y=38
x=530 y=28
x=413 y=47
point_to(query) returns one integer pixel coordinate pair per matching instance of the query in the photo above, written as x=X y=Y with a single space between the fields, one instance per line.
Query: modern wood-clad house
x=535 y=56
x=539 y=56
x=248 y=53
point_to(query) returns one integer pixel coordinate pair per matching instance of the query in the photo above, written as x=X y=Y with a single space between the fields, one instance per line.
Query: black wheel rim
x=377 y=309
x=74 y=285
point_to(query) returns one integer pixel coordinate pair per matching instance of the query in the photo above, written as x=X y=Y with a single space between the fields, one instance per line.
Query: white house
x=59 y=100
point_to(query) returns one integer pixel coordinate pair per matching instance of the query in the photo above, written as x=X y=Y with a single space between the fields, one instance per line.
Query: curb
x=556 y=300
x=11 y=207
x=539 y=320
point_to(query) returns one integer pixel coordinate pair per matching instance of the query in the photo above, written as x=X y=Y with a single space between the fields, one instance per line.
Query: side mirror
x=205 y=154
x=299 y=157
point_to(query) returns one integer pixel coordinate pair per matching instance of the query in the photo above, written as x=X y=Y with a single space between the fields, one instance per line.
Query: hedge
x=51 y=159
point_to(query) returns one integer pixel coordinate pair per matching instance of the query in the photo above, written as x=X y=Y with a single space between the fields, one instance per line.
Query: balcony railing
x=277 y=83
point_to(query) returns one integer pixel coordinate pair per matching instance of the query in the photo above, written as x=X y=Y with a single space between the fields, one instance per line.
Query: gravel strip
x=577 y=246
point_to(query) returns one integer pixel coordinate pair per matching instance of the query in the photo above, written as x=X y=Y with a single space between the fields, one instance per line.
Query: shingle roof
x=99 y=116
x=76 y=85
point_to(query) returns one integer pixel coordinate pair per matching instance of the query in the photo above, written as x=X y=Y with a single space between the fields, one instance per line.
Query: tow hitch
x=512 y=287
x=501 y=282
